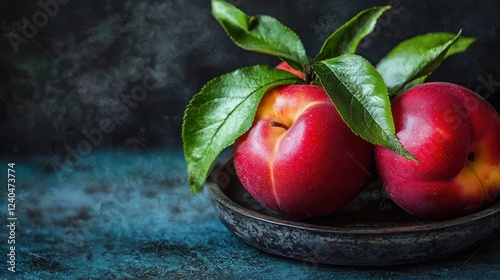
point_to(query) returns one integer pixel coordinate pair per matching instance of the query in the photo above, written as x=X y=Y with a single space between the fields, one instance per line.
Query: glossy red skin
x=312 y=169
x=284 y=66
x=440 y=124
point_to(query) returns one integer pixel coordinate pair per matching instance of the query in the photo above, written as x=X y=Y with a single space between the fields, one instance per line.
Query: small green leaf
x=360 y=95
x=261 y=33
x=416 y=58
x=460 y=46
x=347 y=37
x=221 y=112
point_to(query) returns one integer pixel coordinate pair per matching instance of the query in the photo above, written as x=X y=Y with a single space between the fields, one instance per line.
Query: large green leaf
x=222 y=111
x=261 y=33
x=360 y=95
x=347 y=37
x=414 y=59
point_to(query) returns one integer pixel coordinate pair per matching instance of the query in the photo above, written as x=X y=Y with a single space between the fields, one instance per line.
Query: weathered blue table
x=130 y=215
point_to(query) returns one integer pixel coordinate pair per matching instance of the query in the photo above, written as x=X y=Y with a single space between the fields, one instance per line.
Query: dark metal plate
x=370 y=231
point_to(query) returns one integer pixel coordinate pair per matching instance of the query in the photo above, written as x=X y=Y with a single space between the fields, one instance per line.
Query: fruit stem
x=308 y=77
x=471 y=156
x=278 y=124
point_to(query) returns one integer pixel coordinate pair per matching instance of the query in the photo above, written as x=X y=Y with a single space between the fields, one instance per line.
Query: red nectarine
x=299 y=157
x=455 y=136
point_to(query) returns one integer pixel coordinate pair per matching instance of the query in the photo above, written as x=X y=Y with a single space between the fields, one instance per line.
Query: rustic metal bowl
x=370 y=231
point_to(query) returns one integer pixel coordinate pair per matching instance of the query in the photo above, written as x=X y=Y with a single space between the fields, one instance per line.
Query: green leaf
x=360 y=95
x=347 y=37
x=221 y=112
x=460 y=46
x=261 y=33
x=418 y=57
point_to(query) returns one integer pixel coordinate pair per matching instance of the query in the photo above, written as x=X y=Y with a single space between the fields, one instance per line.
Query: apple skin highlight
x=299 y=157
x=455 y=135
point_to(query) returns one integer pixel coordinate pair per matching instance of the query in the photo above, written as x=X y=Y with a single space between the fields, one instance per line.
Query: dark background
x=66 y=77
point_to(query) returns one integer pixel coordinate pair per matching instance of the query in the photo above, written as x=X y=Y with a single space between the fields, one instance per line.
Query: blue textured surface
x=130 y=216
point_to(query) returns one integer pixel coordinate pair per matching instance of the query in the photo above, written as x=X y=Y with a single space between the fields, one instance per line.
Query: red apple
x=299 y=157
x=455 y=136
